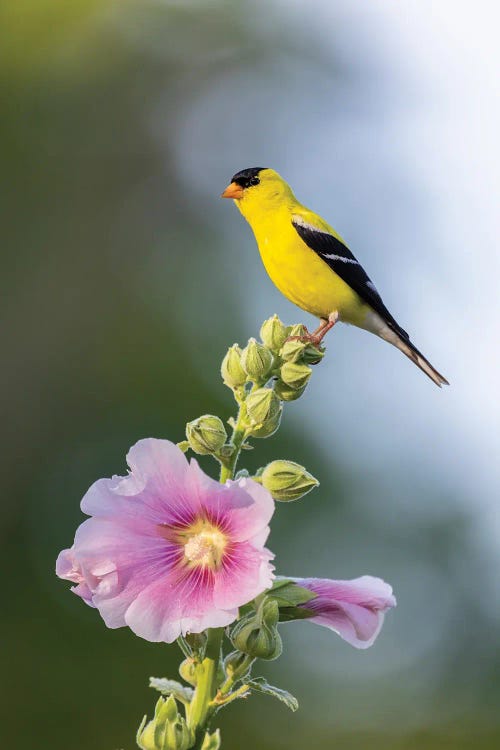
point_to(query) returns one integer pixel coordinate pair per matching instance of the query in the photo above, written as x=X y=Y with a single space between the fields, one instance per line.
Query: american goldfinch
x=311 y=264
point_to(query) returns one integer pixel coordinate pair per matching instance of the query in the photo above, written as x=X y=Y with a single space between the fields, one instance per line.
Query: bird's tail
x=411 y=351
x=390 y=331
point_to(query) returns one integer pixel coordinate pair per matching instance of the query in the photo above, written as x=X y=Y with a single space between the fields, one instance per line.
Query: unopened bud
x=206 y=434
x=237 y=664
x=256 y=634
x=292 y=351
x=287 y=480
x=257 y=361
x=211 y=741
x=153 y=735
x=312 y=354
x=273 y=333
x=296 y=330
x=295 y=375
x=285 y=393
x=178 y=736
x=231 y=370
x=264 y=412
x=187 y=670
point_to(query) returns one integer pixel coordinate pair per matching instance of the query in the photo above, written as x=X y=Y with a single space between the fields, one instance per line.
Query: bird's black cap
x=247 y=177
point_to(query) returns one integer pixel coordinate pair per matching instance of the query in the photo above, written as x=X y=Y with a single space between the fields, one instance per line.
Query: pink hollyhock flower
x=354 y=609
x=168 y=550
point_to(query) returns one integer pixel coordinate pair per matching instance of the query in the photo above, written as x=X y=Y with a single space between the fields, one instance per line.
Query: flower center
x=205 y=546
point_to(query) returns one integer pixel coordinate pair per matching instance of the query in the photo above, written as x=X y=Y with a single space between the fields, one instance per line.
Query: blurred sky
x=126 y=277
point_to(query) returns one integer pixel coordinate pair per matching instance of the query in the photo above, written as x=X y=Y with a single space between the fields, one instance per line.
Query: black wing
x=342 y=261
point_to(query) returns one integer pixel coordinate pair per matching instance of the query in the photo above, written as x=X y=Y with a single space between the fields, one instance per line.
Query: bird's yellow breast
x=300 y=274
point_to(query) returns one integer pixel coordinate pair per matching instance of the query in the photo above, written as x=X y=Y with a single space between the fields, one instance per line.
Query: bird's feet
x=315 y=338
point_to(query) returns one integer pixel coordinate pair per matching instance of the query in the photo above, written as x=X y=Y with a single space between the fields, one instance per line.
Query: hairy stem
x=206 y=686
x=239 y=434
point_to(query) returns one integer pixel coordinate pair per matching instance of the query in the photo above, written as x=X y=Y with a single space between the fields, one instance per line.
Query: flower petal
x=130 y=558
x=245 y=574
x=176 y=605
x=354 y=609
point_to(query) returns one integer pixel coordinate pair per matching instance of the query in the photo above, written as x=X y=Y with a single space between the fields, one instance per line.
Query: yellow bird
x=311 y=264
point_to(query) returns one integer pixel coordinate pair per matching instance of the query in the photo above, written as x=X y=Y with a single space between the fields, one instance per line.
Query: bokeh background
x=125 y=279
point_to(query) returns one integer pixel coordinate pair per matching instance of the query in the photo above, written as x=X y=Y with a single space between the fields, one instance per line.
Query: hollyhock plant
x=178 y=556
x=354 y=609
x=168 y=550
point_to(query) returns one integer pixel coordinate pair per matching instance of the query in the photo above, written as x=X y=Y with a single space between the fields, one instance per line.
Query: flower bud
x=206 y=434
x=178 y=736
x=292 y=351
x=257 y=361
x=187 y=670
x=285 y=393
x=211 y=741
x=287 y=480
x=296 y=330
x=264 y=412
x=269 y=427
x=153 y=736
x=231 y=370
x=273 y=333
x=256 y=634
x=312 y=354
x=237 y=664
x=295 y=375
x=262 y=405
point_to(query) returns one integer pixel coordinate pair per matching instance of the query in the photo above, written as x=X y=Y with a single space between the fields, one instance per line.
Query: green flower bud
x=206 y=434
x=256 y=634
x=292 y=351
x=312 y=354
x=237 y=664
x=287 y=480
x=264 y=412
x=211 y=741
x=296 y=330
x=273 y=333
x=231 y=370
x=295 y=375
x=262 y=405
x=187 y=670
x=257 y=361
x=153 y=736
x=178 y=736
x=268 y=428
x=285 y=393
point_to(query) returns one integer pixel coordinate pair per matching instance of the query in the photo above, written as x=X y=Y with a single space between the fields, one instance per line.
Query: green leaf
x=260 y=685
x=171 y=687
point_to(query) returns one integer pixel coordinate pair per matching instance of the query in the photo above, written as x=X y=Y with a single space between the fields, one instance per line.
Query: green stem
x=244 y=667
x=239 y=434
x=206 y=685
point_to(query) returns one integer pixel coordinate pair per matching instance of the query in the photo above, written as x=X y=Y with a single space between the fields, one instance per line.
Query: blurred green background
x=125 y=279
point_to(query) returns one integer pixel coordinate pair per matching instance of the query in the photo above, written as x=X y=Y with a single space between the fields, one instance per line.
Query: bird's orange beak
x=234 y=191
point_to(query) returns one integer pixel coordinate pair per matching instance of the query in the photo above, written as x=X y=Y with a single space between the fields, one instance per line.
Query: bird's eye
x=254 y=181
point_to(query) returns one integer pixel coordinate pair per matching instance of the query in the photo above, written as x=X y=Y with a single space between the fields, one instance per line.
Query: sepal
x=212 y=741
